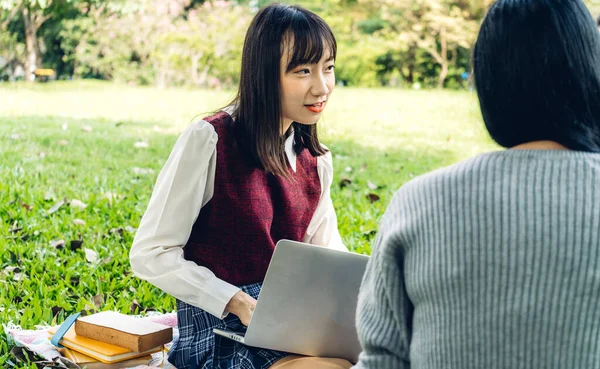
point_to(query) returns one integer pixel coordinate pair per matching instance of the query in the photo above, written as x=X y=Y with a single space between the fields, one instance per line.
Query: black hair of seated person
x=536 y=68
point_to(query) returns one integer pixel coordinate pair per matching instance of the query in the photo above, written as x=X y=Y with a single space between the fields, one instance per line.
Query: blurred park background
x=95 y=93
x=396 y=43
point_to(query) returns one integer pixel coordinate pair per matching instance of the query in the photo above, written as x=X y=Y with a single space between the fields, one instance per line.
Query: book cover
x=136 y=334
x=101 y=351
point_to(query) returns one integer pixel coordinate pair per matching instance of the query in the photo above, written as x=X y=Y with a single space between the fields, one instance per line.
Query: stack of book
x=111 y=340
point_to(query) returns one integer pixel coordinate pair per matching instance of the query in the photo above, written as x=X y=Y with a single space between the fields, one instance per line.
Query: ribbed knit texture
x=491 y=263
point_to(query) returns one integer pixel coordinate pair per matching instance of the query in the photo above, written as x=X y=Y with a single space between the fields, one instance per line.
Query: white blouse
x=184 y=185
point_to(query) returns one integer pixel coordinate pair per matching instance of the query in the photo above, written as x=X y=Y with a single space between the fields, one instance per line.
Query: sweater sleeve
x=384 y=311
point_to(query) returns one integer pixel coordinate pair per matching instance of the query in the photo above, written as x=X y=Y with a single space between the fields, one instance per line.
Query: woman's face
x=305 y=89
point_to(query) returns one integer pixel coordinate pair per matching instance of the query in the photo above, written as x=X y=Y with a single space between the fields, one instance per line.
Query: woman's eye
x=303 y=71
x=331 y=67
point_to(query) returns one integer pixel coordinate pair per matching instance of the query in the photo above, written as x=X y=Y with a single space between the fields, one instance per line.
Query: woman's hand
x=242 y=305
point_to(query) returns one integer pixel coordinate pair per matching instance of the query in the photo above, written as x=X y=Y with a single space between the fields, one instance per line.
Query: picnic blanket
x=38 y=342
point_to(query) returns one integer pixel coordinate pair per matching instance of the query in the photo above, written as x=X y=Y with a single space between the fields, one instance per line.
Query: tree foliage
x=198 y=42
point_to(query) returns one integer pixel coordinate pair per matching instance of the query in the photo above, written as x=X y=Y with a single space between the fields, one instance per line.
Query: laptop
x=307 y=303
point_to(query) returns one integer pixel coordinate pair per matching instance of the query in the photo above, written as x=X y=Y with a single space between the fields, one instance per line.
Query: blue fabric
x=199 y=348
x=62 y=330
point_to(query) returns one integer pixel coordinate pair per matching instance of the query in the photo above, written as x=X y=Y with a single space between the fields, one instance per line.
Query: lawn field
x=78 y=161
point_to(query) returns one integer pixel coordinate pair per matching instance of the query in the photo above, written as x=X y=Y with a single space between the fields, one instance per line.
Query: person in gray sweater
x=495 y=262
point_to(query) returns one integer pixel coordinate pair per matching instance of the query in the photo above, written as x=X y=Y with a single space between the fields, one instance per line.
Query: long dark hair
x=537 y=73
x=257 y=106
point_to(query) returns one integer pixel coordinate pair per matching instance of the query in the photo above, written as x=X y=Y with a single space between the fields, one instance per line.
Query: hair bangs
x=308 y=39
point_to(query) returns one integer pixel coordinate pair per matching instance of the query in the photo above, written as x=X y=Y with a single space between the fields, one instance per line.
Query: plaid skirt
x=199 y=348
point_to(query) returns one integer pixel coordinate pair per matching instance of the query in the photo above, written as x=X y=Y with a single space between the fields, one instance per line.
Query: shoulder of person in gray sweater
x=421 y=197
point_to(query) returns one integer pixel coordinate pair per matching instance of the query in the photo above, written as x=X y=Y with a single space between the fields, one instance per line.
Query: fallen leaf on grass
x=117 y=231
x=90 y=255
x=63 y=142
x=135 y=307
x=26 y=206
x=349 y=169
x=373 y=197
x=372 y=186
x=86 y=128
x=130 y=229
x=77 y=204
x=345 y=182
x=141 y=145
x=11 y=269
x=98 y=300
x=80 y=222
x=58 y=244
x=55 y=208
x=88 y=310
x=142 y=171
x=42 y=155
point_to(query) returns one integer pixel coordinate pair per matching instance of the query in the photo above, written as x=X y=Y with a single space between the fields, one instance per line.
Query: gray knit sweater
x=491 y=263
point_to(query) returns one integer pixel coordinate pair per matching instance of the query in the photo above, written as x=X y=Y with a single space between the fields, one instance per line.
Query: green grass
x=378 y=137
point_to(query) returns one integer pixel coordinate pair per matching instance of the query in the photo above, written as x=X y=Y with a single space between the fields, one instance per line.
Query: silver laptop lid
x=308 y=302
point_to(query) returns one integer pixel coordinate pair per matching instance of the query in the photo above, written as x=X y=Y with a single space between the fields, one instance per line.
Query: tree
x=11 y=53
x=440 y=27
x=33 y=14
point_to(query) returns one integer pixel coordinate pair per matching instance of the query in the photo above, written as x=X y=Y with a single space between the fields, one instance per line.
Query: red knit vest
x=236 y=231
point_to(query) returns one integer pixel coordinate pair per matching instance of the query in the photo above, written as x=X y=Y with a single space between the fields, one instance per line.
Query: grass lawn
x=78 y=162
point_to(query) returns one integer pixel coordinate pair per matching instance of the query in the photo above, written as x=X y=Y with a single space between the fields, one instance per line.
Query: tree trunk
x=33 y=55
x=444 y=58
x=410 y=78
x=194 y=69
x=443 y=75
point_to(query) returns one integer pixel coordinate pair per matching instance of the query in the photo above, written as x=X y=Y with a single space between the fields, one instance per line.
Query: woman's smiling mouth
x=316 y=108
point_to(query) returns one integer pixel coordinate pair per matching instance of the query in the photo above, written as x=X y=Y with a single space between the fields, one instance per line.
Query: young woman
x=495 y=262
x=236 y=183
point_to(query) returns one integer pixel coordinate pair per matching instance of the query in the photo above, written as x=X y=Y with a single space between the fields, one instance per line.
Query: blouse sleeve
x=184 y=185
x=323 y=230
